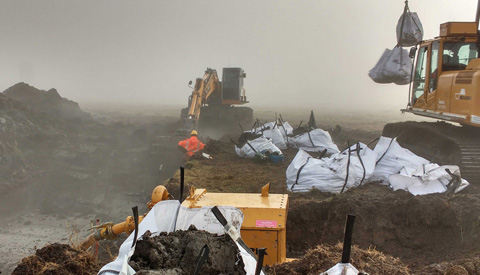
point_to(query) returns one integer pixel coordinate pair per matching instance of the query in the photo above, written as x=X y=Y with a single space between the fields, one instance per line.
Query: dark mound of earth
x=46 y=102
x=178 y=252
x=324 y=257
x=59 y=259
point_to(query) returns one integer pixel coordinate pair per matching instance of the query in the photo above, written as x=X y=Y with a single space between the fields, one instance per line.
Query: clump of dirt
x=59 y=259
x=178 y=252
x=323 y=257
x=469 y=266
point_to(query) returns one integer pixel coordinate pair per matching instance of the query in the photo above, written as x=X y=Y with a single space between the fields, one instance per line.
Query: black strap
x=310 y=137
x=298 y=173
x=182 y=182
x=202 y=258
x=348 y=167
x=135 y=219
x=359 y=149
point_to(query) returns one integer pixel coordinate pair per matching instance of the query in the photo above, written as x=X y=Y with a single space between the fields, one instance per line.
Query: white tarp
x=412 y=31
x=426 y=179
x=168 y=216
x=259 y=144
x=394 y=66
x=316 y=140
x=393 y=158
x=329 y=174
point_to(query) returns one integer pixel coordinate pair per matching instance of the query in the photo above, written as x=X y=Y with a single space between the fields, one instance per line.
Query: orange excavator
x=211 y=104
x=446 y=86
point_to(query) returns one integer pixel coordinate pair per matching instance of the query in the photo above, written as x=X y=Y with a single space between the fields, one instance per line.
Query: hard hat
x=193 y=133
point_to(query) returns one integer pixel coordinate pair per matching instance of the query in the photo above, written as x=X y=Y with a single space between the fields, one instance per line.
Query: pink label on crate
x=265 y=223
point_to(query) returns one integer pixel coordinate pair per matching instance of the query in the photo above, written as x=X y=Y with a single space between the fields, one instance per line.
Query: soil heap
x=177 y=253
x=323 y=257
x=58 y=259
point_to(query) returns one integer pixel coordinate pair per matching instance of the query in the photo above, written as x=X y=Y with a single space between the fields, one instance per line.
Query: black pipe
x=182 y=182
x=347 y=241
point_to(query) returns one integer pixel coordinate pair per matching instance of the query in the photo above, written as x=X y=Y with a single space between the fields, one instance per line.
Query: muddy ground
x=58 y=174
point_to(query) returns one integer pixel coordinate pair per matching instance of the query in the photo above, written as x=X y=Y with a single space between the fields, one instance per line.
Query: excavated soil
x=58 y=259
x=178 y=253
x=323 y=257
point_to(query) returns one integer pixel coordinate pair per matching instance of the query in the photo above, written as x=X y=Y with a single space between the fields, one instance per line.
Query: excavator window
x=457 y=55
x=420 y=74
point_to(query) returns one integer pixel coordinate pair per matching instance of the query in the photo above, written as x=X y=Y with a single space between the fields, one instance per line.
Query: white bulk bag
x=393 y=158
x=394 y=66
x=412 y=31
x=316 y=140
x=259 y=144
x=329 y=174
x=398 y=65
x=426 y=179
x=376 y=73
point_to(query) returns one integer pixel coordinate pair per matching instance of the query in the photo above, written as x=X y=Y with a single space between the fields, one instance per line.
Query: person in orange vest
x=191 y=145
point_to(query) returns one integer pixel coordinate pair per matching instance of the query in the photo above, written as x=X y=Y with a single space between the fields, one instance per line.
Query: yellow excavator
x=211 y=104
x=446 y=86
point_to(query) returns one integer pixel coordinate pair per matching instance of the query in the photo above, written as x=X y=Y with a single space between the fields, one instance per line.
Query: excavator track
x=441 y=142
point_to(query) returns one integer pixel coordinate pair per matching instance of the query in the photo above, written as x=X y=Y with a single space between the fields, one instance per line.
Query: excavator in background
x=446 y=86
x=211 y=104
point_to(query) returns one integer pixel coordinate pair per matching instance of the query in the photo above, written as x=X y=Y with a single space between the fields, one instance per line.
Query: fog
x=301 y=53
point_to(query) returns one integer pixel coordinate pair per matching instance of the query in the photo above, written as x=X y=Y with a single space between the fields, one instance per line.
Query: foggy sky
x=307 y=53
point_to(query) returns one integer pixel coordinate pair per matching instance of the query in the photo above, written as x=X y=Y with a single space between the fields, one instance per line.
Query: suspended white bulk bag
x=394 y=66
x=316 y=140
x=409 y=29
x=398 y=65
x=376 y=73
x=393 y=158
x=256 y=146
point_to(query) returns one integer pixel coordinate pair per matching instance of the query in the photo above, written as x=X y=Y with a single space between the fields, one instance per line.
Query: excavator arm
x=201 y=92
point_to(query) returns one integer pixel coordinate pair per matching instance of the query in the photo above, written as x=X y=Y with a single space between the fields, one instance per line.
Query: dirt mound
x=177 y=253
x=396 y=223
x=324 y=257
x=58 y=259
x=46 y=102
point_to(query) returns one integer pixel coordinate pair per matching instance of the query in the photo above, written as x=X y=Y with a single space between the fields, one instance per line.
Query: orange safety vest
x=192 y=145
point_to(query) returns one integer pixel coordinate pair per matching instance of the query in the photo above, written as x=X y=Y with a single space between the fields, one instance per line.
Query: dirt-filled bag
x=409 y=29
x=394 y=66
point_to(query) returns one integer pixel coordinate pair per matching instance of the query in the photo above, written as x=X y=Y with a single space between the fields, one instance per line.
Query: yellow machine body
x=265 y=218
x=446 y=77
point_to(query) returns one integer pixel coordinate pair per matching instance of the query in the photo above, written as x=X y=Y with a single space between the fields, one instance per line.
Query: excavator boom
x=214 y=100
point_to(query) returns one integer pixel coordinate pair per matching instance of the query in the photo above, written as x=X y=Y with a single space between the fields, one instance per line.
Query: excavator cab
x=446 y=77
